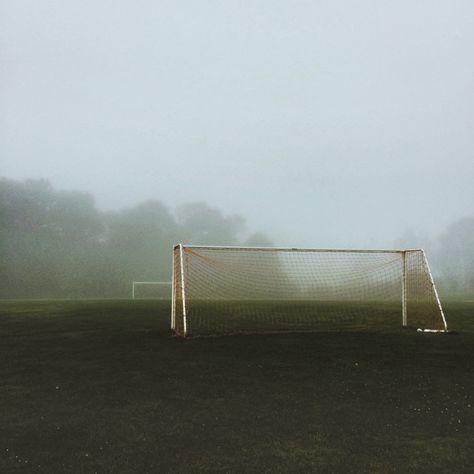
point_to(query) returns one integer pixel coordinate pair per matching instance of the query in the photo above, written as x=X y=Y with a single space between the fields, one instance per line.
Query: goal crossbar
x=300 y=249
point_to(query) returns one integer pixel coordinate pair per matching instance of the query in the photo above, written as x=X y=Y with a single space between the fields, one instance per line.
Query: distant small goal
x=151 y=290
x=251 y=290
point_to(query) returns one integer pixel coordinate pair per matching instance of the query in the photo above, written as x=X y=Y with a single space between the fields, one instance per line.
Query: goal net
x=227 y=290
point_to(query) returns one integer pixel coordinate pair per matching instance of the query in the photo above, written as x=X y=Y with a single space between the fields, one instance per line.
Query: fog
x=322 y=123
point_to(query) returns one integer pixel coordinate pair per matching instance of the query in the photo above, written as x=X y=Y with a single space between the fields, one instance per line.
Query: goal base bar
x=432 y=330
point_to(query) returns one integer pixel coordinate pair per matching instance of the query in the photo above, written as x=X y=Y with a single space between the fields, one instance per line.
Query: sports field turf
x=259 y=316
x=100 y=386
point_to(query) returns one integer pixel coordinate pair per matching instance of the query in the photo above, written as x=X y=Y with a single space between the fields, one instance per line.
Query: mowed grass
x=101 y=386
x=259 y=316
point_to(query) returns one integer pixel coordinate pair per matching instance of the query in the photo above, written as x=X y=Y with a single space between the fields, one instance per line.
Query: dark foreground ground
x=101 y=387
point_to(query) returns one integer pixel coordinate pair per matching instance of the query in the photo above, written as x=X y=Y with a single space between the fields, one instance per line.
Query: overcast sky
x=323 y=123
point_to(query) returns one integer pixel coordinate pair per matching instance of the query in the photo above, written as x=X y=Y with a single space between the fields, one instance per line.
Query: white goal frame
x=160 y=283
x=180 y=286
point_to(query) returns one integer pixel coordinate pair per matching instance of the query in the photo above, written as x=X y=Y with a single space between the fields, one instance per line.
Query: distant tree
x=202 y=224
x=412 y=239
x=43 y=236
x=258 y=239
x=456 y=257
x=140 y=242
x=57 y=244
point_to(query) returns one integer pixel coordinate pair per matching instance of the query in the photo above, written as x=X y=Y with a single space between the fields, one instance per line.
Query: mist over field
x=125 y=127
x=58 y=244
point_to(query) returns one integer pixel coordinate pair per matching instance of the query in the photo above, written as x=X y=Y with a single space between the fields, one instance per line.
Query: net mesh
x=251 y=290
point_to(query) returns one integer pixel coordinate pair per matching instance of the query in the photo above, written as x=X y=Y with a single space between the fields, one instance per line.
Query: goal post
x=228 y=290
x=149 y=285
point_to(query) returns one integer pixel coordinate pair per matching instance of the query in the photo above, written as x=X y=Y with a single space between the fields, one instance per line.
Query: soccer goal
x=228 y=290
x=151 y=290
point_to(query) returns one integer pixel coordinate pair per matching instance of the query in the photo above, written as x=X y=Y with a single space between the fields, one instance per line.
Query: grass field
x=259 y=316
x=100 y=386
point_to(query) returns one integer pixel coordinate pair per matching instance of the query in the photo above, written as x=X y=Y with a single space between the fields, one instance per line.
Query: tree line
x=56 y=244
x=451 y=256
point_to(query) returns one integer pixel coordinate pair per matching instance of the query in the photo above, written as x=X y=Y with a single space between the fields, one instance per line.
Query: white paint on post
x=435 y=291
x=173 y=293
x=404 y=289
x=183 y=293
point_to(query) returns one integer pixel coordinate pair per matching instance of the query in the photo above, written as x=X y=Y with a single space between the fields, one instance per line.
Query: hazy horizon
x=323 y=124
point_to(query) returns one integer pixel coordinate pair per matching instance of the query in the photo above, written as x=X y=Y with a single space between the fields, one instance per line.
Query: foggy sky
x=324 y=123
